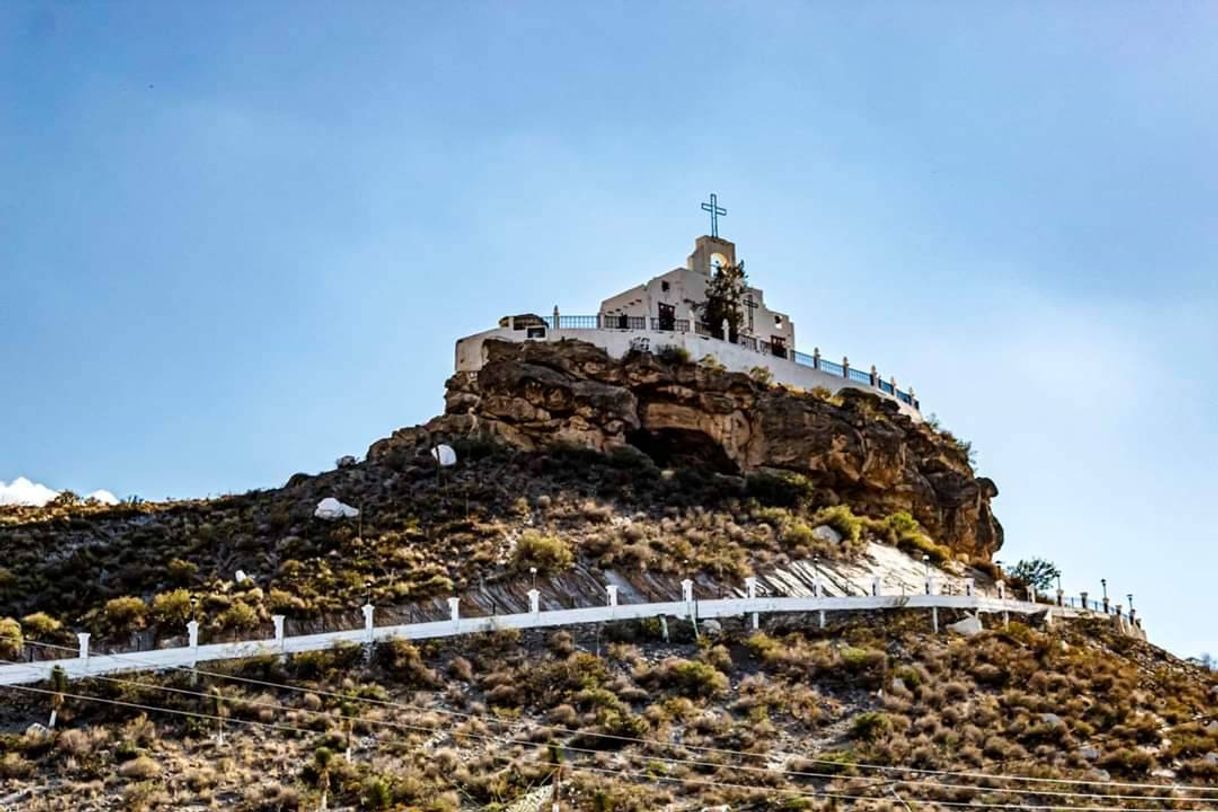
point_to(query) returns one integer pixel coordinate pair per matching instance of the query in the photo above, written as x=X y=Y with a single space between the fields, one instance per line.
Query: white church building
x=664 y=312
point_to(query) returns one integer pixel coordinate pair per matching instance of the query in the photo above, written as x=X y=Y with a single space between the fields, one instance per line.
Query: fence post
x=192 y=634
x=278 y=621
x=969 y=586
x=534 y=602
x=875 y=586
x=845 y=367
x=82 y=638
x=750 y=589
x=454 y=613
x=816 y=357
x=367 y=610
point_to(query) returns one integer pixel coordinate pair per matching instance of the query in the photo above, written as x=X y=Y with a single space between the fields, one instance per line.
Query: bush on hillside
x=779 y=488
x=549 y=554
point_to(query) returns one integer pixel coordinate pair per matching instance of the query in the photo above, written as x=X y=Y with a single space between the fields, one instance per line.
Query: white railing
x=85 y=664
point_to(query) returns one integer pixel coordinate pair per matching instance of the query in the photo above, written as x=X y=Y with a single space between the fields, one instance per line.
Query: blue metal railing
x=579 y=322
x=614 y=321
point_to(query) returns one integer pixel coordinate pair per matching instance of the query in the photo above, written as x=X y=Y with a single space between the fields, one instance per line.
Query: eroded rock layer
x=855 y=448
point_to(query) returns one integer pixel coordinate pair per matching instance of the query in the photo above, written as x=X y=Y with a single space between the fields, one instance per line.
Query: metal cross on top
x=715 y=211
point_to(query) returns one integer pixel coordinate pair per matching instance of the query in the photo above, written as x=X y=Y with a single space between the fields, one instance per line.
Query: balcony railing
x=614 y=321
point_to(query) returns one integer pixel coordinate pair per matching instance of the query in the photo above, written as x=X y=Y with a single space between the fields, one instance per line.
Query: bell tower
x=709 y=251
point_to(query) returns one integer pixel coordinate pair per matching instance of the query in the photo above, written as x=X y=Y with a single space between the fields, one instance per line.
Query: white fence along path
x=85 y=664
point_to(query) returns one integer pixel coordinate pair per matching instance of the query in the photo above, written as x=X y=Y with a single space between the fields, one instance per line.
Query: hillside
x=638 y=472
x=641 y=501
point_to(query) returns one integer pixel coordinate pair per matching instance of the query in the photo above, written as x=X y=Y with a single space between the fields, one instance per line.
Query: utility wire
x=738 y=753
x=620 y=772
x=884 y=782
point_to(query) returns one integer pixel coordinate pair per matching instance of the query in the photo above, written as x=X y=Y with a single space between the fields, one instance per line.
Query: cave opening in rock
x=680 y=448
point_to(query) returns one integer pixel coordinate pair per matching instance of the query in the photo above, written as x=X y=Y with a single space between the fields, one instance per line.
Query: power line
x=725 y=751
x=887 y=782
x=621 y=772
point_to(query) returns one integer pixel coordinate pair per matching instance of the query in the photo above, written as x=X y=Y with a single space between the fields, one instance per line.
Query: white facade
x=672 y=300
x=664 y=312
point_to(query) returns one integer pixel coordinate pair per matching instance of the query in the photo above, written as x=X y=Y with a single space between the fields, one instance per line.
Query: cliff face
x=855 y=448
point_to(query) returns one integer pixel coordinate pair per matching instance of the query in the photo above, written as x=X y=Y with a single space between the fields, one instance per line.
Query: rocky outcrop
x=855 y=447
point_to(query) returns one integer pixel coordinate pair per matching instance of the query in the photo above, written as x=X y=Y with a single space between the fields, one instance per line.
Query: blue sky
x=237 y=240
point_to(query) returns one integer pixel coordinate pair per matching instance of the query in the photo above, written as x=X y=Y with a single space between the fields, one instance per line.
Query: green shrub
x=692 y=678
x=870 y=726
x=547 y=553
x=762 y=375
x=238 y=616
x=11 y=638
x=779 y=488
x=172 y=608
x=673 y=354
x=841 y=519
x=125 y=614
x=40 y=625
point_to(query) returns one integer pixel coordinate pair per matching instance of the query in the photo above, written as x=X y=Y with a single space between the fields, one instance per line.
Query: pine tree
x=724 y=301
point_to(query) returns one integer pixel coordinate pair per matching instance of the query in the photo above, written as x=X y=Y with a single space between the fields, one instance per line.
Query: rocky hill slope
x=640 y=472
x=651 y=468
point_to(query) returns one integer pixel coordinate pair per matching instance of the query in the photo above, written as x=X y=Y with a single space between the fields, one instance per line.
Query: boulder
x=826 y=533
x=331 y=509
x=968 y=627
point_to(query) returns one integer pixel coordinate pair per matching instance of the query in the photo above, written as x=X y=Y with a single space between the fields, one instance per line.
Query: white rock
x=969 y=627
x=445 y=455
x=331 y=509
x=826 y=533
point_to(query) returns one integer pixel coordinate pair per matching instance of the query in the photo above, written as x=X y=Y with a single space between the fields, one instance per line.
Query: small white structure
x=331 y=509
x=445 y=455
